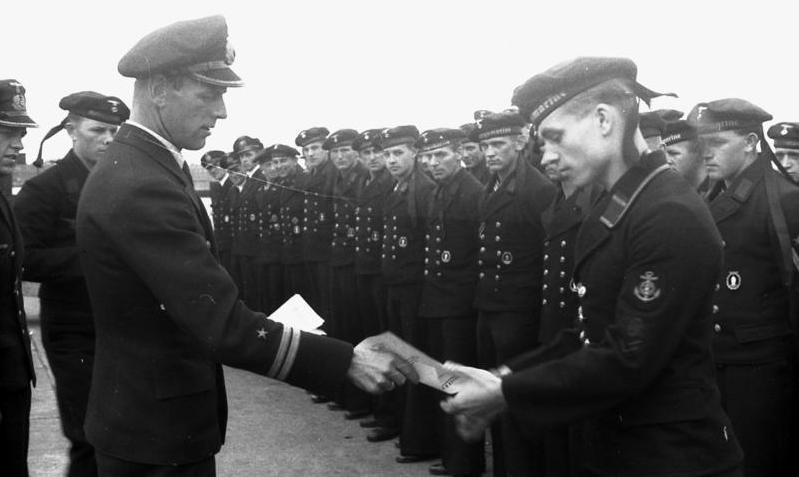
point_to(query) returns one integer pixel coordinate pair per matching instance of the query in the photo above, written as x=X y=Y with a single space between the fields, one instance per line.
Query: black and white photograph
x=373 y=238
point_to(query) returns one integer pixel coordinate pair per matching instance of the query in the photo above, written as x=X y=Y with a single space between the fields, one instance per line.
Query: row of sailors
x=467 y=270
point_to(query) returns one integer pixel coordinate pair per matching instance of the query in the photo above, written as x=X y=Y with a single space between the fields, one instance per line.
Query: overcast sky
x=366 y=64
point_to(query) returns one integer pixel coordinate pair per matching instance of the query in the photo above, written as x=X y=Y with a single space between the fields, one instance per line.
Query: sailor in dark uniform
x=786 y=147
x=270 y=238
x=370 y=287
x=684 y=153
x=344 y=310
x=16 y=363
x=756 y=211
x=215 y=162
x=249 y=219
x=317 y=219
x=402 y=268
x=473 y=159
x=639 y=369
x=510 y=262
x=447 y=318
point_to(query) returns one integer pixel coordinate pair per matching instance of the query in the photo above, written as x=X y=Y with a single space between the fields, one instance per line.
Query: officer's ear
x=158 y=87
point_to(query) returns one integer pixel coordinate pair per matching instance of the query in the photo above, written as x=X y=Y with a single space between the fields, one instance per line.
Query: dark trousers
x=502 y=335
x=761 y=402
x=110 y=466
x=455 y=339
x=270 y=283
x=318 y=289
x=345 y=314
x=70 y=352
x=15 y=410
x=372 y=302
x=295 y=280
x=417 y=435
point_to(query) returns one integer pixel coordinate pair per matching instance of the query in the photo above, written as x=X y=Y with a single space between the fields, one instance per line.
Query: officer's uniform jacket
x=46 y=208
x=402 y=254
x=451 y=244
x=167 y=314
x=317 y=225
x=291 y=216
x=270 y=237
x=751 y=307
x=481 y=172
x=347 y=188
x=511 y=237
x=561 y=221
x=16 y=363
x=223 y=222
x=369 y=223
x=641 y=370
x=249 y=216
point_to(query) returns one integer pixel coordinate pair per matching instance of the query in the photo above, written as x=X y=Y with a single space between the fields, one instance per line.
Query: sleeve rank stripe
x=291 y=354
x=280 y=356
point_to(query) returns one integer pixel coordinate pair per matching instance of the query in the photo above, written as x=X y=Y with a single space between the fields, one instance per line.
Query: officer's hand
x=478 y=401
x=376 y=371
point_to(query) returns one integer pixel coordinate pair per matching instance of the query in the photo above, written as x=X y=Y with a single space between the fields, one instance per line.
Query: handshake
x=381 y=363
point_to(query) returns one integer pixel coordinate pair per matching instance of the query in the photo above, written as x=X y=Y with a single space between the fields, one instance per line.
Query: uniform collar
x=167 y=145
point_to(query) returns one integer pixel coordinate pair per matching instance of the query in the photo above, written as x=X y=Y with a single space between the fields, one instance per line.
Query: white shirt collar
x=168 y=145
x=253 y=170
x=224 y=179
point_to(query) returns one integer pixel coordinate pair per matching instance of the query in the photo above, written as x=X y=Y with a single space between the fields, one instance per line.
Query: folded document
x=431 y=372
x=298 y=314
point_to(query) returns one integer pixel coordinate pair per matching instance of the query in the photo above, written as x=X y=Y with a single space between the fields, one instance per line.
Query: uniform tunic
x=316 y=234
x=448 y=319
x=402 y=267
x=16 y=363
x=641 y=370
x=46 y=208
x=754 y=344
x=245 y=243
x=167 y=314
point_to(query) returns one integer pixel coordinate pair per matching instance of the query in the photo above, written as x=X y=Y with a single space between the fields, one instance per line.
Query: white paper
x=431 y=372
x=298 y=314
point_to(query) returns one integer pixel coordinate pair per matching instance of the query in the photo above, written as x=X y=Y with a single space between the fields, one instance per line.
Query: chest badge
x=403 y=242
x=375 y=236
x=446 y=256
x=578 y=288
x=507 y=258
x=733 y=280
x=252 y=217
x=647 y=290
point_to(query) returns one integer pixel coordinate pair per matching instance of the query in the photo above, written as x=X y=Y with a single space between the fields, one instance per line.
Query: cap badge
x=507 y=258
x=647 y=290
x=18 y=101
x=733 y=280
x=446 y=256
x=230 y=53
x=114 y=105
x=302 y=134
x=784 y=131
x=700 y=110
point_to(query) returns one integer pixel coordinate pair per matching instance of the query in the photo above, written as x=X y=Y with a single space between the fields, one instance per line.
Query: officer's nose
x=16 y=143
x=221 y=110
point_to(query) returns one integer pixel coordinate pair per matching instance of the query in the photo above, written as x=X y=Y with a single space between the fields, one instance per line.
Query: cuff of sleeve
x=319 y=364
